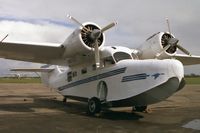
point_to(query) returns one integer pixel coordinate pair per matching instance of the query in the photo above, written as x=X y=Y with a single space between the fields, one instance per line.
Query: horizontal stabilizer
x=33 y=69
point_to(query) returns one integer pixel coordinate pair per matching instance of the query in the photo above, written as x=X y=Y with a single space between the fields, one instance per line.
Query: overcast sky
x=46 y=21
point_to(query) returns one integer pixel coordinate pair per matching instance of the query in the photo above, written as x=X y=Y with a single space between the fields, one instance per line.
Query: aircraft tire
x=94 y=106
x=140 y=108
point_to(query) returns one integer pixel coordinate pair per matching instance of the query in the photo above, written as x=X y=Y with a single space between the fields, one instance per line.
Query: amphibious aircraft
x=83 y=68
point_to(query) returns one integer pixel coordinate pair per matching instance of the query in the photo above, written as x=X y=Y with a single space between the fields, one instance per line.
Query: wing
x=188 y=60
x=33 y=69
x=38 y=53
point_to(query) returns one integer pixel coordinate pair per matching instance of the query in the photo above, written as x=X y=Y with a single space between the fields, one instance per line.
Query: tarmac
x=33 y=108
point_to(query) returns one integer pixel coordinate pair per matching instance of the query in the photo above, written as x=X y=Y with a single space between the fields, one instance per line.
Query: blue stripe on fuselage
x=134 y=77
x=141 y=77
x=93 y=78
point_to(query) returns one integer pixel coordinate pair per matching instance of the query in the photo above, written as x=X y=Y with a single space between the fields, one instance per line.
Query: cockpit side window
x=121 y=56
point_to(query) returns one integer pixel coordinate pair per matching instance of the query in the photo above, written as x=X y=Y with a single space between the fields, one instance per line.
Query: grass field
x=20 y=80
x=189 y=80
x=192 y=80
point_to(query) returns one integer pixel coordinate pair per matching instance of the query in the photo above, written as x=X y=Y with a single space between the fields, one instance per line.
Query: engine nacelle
x=155 y=44
x=80 y=42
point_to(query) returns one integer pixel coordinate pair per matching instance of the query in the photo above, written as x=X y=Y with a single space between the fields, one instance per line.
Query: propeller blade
x=108 y=27
x=168 y=26
x=183 y=49
x=163 y=50
x=77 y=22
x=97 y=57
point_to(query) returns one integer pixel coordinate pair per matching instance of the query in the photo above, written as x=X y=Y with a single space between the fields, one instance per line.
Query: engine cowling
x=80 y=42
x=155 y=44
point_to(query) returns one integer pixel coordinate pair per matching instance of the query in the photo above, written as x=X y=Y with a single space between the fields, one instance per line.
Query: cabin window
x=121 y=56
x=84 y=70
x=69 y=76
x=74 y=74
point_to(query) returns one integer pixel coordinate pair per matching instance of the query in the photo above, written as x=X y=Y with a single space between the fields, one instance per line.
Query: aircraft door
x=102 y=91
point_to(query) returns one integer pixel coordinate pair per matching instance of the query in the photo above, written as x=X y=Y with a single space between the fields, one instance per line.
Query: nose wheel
x=94 y=106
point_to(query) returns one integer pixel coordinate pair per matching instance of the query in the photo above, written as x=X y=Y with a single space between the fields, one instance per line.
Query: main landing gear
x=95 y=103
x=94 y=106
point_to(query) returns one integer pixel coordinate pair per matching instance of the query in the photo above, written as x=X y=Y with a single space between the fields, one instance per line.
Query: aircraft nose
x=177 y=69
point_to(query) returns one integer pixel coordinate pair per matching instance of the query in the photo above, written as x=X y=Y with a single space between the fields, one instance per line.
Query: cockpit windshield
x=121 y=56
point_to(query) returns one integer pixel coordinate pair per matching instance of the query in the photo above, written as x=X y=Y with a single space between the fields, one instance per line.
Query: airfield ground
x=33 y=108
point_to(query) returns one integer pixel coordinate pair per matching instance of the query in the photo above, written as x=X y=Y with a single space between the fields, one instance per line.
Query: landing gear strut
x=64 y=99
x=139 y=108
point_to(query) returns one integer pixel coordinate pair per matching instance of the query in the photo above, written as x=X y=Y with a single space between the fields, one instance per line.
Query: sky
x=46 y=21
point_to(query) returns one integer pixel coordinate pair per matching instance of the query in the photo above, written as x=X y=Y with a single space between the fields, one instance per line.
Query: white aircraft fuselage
x=120 y=82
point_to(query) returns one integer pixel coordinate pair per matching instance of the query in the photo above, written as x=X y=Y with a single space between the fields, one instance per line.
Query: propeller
x=170 y=44
x=94 y=35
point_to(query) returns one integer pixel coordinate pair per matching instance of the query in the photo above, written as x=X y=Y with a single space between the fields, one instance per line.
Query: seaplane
x=83 y=68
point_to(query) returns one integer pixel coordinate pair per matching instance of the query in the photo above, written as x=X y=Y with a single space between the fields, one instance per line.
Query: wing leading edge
x=39 y=53
x=188 y=60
